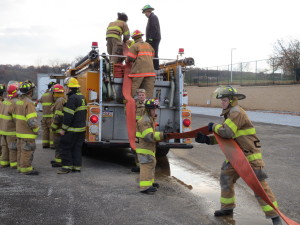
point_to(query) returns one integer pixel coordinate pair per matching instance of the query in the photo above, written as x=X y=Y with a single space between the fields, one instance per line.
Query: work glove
x=210 y=126
x=202 y=138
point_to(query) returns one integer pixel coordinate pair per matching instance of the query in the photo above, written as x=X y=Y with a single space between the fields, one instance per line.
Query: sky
x=39 y=32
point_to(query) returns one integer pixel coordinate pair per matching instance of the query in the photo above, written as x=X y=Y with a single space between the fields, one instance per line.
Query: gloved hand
x=202 y=138
x=150 y=41
x=210 y=126
x=166 y=136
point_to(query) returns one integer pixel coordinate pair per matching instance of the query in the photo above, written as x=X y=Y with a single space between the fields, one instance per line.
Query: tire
x=162 y=151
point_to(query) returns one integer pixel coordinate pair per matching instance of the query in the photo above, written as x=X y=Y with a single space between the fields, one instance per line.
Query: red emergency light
x=181 y=51
x=94 y=44
x=94 y=119
x=186 y=122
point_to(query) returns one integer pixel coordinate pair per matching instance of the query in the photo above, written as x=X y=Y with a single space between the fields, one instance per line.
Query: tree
x=286 y=55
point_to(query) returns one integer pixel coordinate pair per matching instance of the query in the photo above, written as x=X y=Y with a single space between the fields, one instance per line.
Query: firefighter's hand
x=210 y=126
x=62 y=132
x=202 y=138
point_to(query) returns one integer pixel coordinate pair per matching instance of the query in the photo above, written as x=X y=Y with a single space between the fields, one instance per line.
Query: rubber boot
x=224 y=212
x=149 y=191
x=32 y=172
x=276 y=220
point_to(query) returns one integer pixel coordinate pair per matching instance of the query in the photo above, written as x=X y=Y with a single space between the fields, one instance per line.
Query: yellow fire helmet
x=229 y=92
x=72 y=83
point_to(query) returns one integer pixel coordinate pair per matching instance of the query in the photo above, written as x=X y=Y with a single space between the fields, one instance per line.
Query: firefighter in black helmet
x=238 y=126
x=73 y=128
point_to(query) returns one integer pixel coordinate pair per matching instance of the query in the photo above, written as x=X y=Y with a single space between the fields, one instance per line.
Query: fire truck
x=101 y=83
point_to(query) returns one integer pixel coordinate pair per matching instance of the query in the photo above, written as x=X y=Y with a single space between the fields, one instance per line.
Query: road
x=106 y=191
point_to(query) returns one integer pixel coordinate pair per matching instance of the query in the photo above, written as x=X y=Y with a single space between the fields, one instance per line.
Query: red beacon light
x=94 y=119
x=94 y=44
x=181 y=51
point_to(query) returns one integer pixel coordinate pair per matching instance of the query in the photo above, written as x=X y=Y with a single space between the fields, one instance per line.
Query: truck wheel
x=162 y=151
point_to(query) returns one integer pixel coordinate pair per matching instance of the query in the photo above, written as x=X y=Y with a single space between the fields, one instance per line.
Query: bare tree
x=286 y=55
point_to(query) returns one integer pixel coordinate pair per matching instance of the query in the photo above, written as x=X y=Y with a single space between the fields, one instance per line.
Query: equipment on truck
x=101 y=83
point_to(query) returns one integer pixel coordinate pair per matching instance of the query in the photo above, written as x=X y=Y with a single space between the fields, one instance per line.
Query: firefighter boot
x=149 y=191
x=276 y=220
x=224 y=212
x=32 y=172
x=55 y=164
x=156 y=185
x=63 y=171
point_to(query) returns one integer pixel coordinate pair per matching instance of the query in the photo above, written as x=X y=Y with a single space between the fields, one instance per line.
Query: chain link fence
x=258 y=72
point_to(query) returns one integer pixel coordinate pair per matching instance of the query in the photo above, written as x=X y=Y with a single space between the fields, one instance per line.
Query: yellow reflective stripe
x=4 y=163
x=76 y=168
x=5 y=117
x=249 y=131
x=36 y=129
x=67 y=167
x=13 y=133
x=48 y=115
x=31 y=115
x=268 y=208
x=115 y=28
x=65 y=127
x=254 y=156
x=145 y=151
x=76 y=129
x=5 y=102
x=138 y=134
x=12 y=164
x=217 y=127
x=58 y=112
x=26 y=169
x=146 y=183
x=157 y=136
x=57 y=160
x=227 y=200
x=45 y=141
x=46 y=94
x=54 y=126
x=126 y=32
x=58 y=131
x=138 y=117
x=231 y=125
x=19 y=117
x=113 y=36
x=47 y=103
x=30 y=136
x=147 y=131
x=84 y=107
x=69 y=110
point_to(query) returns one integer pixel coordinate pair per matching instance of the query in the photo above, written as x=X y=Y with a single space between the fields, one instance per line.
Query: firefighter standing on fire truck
x=57 y=109
x=47 y=102
x=8 y=128
x=2 y=90
x=114 y=33
x=27 y=128
x=146 y=146
x=238 y=126
x=73 y=128
x=142 y=70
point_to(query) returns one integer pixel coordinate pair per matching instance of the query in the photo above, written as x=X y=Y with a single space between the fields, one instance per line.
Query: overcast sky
x=36 y=32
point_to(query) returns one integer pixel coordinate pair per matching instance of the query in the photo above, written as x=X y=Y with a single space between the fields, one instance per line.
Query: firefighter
x=26 y=128
x=114 y=32
x=57 y=109
x=73 y=128
x=142 y=72
x=146 y=146
x=47 y=102
x=238 y=126
x=140 y=108
x=153 y=35
x=2 y=90
x=8 y=128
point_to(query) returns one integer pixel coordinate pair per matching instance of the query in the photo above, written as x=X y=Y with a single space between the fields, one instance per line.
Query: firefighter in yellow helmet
x=56 y=126
x=146 y=146
x=26 y=128
x=142 y=71
x=238 y=126
x=8 y=128
x=73 y=128
x=47 y=102
x=114 y=33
